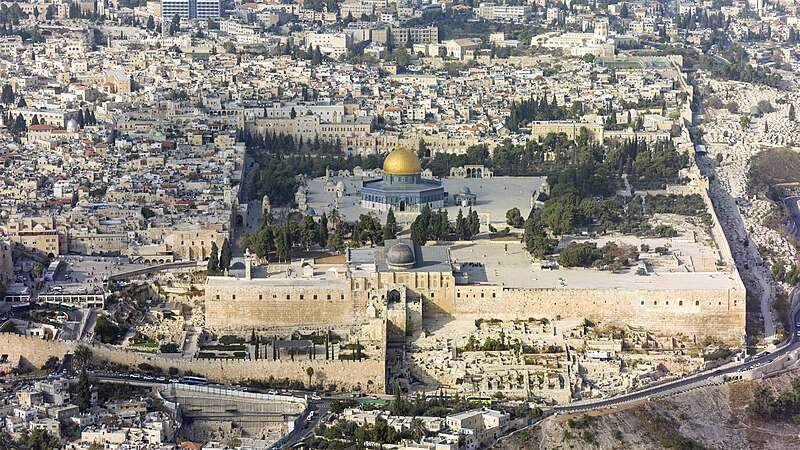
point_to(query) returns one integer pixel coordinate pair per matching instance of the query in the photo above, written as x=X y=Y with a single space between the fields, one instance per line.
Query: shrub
x=170 y=347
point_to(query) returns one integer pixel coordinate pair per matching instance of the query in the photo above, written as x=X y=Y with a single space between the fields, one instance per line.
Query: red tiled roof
x=40 y=128
x=188 y=445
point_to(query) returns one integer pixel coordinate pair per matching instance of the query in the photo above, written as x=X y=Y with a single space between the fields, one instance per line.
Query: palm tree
x=335 y=217
x=310 y=373
x=82 y=356
x=418 y=428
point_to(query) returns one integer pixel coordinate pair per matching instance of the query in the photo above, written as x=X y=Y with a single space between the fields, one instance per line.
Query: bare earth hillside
x=711 y=417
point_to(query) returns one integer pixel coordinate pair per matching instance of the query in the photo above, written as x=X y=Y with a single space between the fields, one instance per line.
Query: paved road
x=303 y=432
x=793 y=204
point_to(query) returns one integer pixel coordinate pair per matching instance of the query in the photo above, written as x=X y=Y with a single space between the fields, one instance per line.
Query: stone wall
x=370 y=375
x=249 y=305
x=31 y=349
x=714 y=312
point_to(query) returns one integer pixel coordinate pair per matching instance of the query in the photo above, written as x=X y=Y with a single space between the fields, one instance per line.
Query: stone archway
x=393 y=296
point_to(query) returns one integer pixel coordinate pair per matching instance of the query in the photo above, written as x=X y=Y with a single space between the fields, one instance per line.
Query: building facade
x=190 y=9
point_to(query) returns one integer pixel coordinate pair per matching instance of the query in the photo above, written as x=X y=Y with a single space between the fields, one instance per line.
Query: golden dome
x=402 y=162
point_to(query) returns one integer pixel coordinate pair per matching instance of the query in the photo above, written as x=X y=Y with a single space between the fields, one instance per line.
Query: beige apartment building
x=39 y=234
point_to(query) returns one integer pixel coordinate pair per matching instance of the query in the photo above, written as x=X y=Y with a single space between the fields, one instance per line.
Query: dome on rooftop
x=402 y=162
x=465 y=190
x=73 y=126
x=400 y=256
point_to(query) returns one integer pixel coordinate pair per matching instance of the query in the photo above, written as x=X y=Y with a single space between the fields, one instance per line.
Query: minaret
x=248 y=263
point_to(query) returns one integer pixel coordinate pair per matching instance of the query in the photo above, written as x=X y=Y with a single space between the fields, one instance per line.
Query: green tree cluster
x=587 y=254
x=108 y=331
x=37 y=439
x=766 y=405
x=534 y=109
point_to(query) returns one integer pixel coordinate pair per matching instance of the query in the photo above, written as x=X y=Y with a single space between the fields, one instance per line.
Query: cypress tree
x=83 y=395
x=213 y=260
x=323 y=230
x=225 y=256
x=390 y=228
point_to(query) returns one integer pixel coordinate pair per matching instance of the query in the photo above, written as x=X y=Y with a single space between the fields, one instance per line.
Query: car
x=316 y=397
x=174 y=380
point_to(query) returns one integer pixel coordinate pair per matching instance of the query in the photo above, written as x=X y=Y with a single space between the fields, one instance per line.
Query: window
x=680 y=302
x=260 y=296
x=481 y=294
x=315 y=296
x=655 y=303
x=288 y=297
x=301 y=296
x=217 y=297
x=697 y=303
x=458 y=295
x=642 y=302
x=233 y=297
x=329 y=296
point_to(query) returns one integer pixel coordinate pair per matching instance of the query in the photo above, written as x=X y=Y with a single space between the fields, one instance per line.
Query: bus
x=194 y=380
x=21 y=307
x=479 y=400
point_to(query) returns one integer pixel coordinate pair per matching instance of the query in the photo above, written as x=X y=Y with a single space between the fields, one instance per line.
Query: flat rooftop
x=514 y=268
x=284 y=275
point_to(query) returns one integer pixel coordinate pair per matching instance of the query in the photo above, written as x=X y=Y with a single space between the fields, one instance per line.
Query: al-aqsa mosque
x=402 y=188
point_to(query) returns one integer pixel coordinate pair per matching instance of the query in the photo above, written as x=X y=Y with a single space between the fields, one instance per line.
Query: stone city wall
x=369 y=375
x=247 y=306
x=32 y=349
x=718 y=313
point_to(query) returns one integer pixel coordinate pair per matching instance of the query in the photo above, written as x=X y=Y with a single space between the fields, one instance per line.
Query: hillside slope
x=711 y=417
